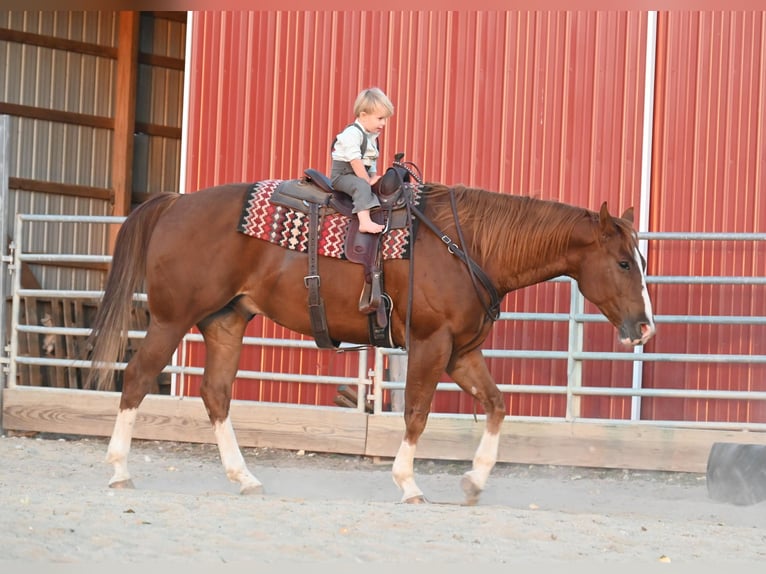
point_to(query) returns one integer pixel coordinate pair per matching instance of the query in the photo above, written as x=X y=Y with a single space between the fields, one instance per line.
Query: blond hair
x=371 y=100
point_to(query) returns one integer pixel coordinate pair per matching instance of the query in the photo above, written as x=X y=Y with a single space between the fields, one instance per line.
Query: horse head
x=612 y=276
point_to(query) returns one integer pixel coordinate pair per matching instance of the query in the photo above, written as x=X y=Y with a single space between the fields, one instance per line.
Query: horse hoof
x=251 y=489
x=122 y=484
x=471 y=491
x=419 y=499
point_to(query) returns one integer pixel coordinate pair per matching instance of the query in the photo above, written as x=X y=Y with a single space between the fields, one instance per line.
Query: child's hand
x=373 y=179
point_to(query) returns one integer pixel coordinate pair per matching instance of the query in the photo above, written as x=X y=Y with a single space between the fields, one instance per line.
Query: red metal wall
x=548 y=104
x=709 y=175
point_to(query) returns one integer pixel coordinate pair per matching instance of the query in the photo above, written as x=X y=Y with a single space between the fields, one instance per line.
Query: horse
x=199 y=270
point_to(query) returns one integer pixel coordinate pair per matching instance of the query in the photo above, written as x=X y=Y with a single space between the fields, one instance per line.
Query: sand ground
x=56 y=508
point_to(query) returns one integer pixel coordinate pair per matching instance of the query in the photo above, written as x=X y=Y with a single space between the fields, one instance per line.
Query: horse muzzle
x=636 y=332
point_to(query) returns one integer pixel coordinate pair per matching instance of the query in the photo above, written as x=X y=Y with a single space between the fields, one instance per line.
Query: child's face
x=373 y=122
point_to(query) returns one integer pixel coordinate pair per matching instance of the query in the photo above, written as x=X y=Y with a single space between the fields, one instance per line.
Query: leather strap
x=493 y=309
x=312 y=281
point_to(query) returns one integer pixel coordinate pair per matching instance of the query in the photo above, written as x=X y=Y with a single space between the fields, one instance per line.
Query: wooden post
x=124 y=114
x=397 y=366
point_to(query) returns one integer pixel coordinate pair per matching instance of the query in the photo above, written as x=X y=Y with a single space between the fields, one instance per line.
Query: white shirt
x=348 y=146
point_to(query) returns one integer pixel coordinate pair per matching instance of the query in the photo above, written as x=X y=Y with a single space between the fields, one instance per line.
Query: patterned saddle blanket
x=289 y=228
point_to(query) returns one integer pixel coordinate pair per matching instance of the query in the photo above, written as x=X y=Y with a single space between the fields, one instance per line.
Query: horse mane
x=518 y=229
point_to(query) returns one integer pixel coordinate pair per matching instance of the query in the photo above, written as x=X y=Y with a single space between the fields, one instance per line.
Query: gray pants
x=351 y=184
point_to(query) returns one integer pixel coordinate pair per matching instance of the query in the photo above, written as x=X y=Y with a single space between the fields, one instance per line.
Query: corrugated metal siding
x=91 y=27
x=51 y=151
x=160 y=102
x=709 y=175
x=64 y=80
x=52 y=237
x=547 y=104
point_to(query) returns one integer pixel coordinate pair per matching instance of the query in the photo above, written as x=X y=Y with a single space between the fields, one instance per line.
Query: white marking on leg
x=403 y=471
x=484 y=459
x=119 y=445
x=232 y=459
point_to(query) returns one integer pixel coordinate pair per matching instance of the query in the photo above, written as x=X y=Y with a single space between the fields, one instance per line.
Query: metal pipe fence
x=372 y=384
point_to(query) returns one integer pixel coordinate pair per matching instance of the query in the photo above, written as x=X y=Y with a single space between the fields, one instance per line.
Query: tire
x=736 y=473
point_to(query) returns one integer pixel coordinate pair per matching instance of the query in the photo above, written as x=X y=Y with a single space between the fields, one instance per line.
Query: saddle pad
x=288 y=228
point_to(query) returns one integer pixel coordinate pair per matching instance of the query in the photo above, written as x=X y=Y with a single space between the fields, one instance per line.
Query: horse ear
x=607 y=227
x=628 y=215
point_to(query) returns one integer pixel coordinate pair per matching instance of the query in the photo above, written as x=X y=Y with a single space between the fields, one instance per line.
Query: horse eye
x=625 y=265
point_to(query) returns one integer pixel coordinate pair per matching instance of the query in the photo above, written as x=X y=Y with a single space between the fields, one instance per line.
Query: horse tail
x=109 y=330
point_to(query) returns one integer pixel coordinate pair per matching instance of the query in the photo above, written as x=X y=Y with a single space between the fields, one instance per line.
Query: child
x=355 y=154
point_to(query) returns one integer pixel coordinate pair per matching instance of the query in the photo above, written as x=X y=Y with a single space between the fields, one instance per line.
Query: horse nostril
x=647 y=330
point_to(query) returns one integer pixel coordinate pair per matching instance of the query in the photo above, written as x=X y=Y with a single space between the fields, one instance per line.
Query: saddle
x=314 y=195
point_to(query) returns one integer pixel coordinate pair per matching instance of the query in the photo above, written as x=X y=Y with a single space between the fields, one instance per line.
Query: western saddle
x=314 y=195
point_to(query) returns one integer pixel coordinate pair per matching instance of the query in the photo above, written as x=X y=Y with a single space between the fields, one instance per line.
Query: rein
x=492 y=309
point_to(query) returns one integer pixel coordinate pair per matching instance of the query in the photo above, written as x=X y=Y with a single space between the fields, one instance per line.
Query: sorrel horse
x=199 y=270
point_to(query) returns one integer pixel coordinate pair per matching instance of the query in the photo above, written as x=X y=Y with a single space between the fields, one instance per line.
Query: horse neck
x=534 y=241
x=524 y=277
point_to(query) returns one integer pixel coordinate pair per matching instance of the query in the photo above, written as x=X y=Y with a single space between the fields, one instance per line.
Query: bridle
x=492 y=307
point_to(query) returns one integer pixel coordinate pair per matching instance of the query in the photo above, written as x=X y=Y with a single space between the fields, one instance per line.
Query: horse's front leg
x=223 y=334
x=232 y=459
x=470 y=372
x=425 y=364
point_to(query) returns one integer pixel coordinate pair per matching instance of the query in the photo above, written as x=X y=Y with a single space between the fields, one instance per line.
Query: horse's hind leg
x=223 y=334
x=142 y=370
x=471 y=374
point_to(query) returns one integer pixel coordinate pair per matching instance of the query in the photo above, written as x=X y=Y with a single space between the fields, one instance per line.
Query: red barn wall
x=709 y=175
x=548 y=104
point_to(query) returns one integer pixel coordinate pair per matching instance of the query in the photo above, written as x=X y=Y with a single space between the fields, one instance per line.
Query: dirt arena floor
x=56 y=508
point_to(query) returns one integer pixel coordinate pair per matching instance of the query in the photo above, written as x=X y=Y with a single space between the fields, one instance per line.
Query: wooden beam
x=42 y=41
x=160 y=417
x=161 y=61
x=158 y=130
x=60 y=188
x=598 y=445
x=347 y=431
x=175 y=16
x=70 y=265
x=125 y=111
x=61 y=116
x=90 y=121
x=74 y=46
x=140 y=196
